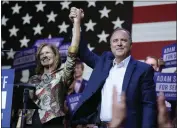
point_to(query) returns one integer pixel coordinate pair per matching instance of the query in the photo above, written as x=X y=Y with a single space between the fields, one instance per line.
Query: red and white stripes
x=154 y=26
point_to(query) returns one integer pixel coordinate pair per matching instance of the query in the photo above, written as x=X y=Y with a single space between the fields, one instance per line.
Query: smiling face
x=47 y=56
x=78 y=71
x=120 y=44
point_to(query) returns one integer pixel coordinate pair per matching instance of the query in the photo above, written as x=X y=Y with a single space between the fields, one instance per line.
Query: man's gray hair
x=118 y=29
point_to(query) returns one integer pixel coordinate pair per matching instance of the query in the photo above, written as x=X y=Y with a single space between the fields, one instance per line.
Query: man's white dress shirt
x=115 y=78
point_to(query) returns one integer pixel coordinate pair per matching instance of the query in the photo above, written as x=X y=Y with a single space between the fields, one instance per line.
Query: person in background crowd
x=119 y=112
x=116 y=68
x=77 y=86
x=158 y=64
x=161 y=64
x=79 y=83
x=50 y=82
x=153 y=61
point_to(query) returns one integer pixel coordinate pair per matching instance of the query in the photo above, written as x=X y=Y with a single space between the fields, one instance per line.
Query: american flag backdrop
x=153 y=27
x=152 y=24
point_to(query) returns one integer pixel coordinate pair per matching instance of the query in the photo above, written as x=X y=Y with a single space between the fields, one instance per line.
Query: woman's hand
x=76 y=15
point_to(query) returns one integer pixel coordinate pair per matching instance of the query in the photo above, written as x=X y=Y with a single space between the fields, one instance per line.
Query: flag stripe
x=154 y=27
x=143 y=49
x=154 y=13
x=158 y=31
x=150 y=3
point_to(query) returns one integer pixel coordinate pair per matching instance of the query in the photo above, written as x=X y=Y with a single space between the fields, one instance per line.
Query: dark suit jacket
x=138 y=84
x=82 y=87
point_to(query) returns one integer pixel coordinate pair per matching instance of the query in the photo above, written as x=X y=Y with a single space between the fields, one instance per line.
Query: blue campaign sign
x=63 y=50
x=169 y=55
x=72 y=101
x=166 y=82
x=25 y=59
x=55 y=41
x=7 y=79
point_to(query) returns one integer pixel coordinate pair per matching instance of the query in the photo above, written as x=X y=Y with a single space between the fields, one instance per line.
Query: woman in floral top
x=51 y=81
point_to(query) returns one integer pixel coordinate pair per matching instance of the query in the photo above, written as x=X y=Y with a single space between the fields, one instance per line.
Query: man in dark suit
x=116 y=69
x=77 y=86
x=79 y=82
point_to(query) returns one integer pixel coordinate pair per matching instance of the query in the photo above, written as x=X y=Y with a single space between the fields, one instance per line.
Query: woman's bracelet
x=73 y=49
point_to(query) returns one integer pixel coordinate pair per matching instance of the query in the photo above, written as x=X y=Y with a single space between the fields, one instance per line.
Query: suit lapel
x=99 y=76
x=105 y=71
x=82 y=86
x=128 y=73
x=107 y=68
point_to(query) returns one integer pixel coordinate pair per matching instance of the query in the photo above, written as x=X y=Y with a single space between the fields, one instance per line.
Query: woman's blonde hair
x=57 y=59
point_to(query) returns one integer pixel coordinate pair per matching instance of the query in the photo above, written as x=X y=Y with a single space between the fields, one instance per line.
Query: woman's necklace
x=47 y=78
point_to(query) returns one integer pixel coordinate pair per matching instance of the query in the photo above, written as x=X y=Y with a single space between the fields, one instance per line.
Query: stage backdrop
x=152 y=24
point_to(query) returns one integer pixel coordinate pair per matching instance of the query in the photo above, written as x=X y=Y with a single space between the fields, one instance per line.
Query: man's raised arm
x=84 y=53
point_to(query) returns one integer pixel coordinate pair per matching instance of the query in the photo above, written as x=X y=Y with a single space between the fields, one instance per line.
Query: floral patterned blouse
x=50 y=91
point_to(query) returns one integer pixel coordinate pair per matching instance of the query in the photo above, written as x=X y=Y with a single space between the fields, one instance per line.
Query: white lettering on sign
x=169 y=57
x=55 y=43
x=63 y=52
x=174 y=62
x=168 y=94
x=64 y=47
x=25 y=65
x=30 y=51
x=164 y=78
x=74 y=99
x=25 y=59
x=168 y=50
x=166 y=87
x=1 y=116
x=174 y=79
x=4 y=81
x=18 y=55
x=167 y=79
x=4 y=97
x=73 y=105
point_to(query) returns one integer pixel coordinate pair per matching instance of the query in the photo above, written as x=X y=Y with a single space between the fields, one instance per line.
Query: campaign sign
x=169 y=55
x=166 y=82
x=63 y=50
x=7 y=79
x=72 y=101
x=25 y=59
x=55 y=41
